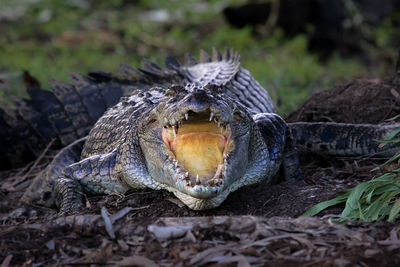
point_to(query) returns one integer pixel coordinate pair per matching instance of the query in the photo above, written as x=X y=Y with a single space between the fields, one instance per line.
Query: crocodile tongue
x=200 y=153
x=199 y=146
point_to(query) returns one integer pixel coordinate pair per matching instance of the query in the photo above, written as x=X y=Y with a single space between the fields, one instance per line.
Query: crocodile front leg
x=93 y=175
x=68 y=195
x=278 y=138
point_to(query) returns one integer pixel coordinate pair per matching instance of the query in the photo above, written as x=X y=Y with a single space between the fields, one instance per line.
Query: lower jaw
x=197 y=203
x=205 y=186
x=202 y=174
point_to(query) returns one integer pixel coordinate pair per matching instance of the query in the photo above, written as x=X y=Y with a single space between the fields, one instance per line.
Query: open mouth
x=199 y=147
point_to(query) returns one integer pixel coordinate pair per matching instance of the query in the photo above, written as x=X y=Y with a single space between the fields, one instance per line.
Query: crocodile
x=199 y=130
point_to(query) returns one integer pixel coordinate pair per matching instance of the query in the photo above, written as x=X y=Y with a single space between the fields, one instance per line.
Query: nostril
x=196 y=102
x=201 y=95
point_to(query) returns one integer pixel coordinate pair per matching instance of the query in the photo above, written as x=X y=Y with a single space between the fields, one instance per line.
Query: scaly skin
x=129 y=147
x=125 y=149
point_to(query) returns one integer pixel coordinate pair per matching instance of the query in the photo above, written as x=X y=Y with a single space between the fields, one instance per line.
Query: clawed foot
x=69 y=196
x=70 y=209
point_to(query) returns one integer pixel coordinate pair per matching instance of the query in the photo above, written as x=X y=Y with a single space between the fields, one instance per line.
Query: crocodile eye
x=170 y=92
x=237 y=117
x=215 y=89
x=152 y=121
x=46 y=195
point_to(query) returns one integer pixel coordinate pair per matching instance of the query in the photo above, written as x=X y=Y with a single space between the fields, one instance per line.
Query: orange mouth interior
x=199 y=145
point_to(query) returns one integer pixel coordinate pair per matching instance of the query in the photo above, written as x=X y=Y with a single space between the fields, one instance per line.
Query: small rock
x=51 y=244
x=341 y=262
x=164 y=233
x=369 y=253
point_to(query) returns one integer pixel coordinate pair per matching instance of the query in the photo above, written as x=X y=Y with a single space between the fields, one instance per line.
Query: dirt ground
x=255 y=226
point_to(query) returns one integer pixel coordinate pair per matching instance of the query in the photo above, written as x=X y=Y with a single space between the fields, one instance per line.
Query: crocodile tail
x=29 y=125
x=26 y=125
x=69 y=110
x=12 y=146
x=343 y=139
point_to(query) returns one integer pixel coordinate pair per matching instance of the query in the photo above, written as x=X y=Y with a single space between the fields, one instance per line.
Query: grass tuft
x=377 y=199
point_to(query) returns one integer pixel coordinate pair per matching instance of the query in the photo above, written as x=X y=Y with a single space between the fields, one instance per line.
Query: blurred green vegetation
x=51 y=38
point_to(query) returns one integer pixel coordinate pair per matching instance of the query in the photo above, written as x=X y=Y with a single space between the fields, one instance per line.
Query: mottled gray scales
x=92 y=98
x=73 y=107
x=343 y=138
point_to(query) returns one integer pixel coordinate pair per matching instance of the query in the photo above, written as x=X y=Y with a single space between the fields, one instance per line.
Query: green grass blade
x=395 y=158
x=369 y=196
x=395 y=117
x=390 y=187
x=360 y=212
x=375 y=210
x=395 y=210
x=354 y=198
x=314 y=210
x=391 y=136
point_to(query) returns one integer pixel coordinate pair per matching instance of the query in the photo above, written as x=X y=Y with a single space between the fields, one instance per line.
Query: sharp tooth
x=186 y=116
x=197 y=179
x=186 y=175
x=219 y=124
x=176 y=164
x=211 y=116
x=173 y=130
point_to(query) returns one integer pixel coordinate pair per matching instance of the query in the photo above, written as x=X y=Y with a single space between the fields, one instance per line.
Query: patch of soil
x=364 y=101
x=257 y=226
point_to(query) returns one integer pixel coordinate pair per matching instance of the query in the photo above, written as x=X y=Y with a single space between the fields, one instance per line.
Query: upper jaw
x=177 y=118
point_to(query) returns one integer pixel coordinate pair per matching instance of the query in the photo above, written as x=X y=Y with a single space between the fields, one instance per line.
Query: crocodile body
x=198 y=130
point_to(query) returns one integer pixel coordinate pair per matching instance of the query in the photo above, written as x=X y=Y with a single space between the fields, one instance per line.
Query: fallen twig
x=107 y=222
x=27 y=174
